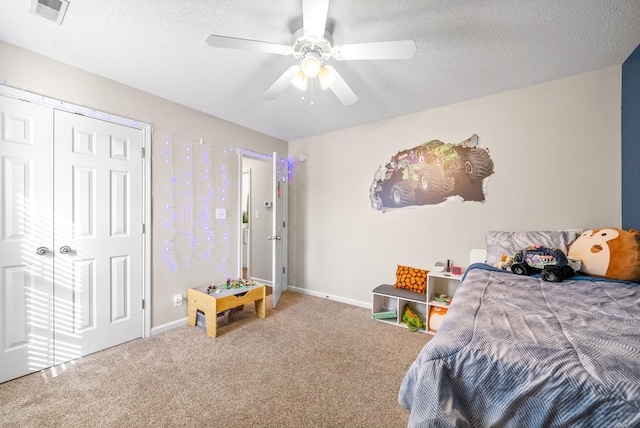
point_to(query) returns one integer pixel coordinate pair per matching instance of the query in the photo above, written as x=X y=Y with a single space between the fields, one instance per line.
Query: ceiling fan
x=312 y=46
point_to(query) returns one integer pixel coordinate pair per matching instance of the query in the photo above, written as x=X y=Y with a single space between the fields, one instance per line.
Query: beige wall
x=26 y=70
x=556 y=149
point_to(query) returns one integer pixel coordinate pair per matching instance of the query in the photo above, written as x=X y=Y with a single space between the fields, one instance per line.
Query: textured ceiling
x=466 y=49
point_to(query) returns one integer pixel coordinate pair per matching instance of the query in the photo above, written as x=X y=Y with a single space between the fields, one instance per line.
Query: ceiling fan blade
x=339 y=87
x=400 y=49
x=314 y=17
x=248 y=45
x=281 y=84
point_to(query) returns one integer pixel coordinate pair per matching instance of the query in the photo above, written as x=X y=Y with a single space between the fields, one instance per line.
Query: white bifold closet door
x=71 y=238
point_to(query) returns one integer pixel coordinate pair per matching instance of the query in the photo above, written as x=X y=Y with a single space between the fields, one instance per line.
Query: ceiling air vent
x=53 y=10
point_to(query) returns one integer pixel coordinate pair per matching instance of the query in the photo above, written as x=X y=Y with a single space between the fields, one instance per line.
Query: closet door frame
x=146 y=132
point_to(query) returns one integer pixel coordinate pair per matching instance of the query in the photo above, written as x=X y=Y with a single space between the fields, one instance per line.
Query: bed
x=517 y=351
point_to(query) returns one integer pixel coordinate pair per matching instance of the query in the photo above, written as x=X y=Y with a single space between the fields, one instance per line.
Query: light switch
x=257 y=214
x=221 y=213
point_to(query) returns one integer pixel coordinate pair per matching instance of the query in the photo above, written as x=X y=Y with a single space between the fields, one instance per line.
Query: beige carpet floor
x=311 y=362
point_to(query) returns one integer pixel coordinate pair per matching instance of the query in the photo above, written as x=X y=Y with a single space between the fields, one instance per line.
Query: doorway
x=73 y=252
x=262 y=196
x=256 y=194
x=246 y=209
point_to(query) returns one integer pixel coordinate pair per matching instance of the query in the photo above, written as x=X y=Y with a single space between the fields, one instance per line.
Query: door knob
x=65 y=249
x=41 y=251
x=277 y=238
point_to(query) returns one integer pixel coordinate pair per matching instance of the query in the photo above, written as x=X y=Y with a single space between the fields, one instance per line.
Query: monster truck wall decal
x=431 y=173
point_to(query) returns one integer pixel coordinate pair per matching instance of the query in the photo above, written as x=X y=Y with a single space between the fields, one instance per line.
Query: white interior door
x=276 y=233
x=98 y=235
x=26 y=196
x=71 y=236
x=279 y=235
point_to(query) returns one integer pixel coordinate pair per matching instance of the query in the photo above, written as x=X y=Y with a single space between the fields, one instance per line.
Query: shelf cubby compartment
x=418 y=307
x=383 y=303
x=387 y=298
x=440 y=283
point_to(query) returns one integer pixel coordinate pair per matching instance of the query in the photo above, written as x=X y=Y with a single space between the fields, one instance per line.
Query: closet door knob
x=65 y=249
x=41 y=251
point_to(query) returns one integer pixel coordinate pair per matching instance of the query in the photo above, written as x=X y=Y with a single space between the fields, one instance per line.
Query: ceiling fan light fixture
x=311 y=47
x=326 y=77
x=53 y=10
x=300 y=80
x=310 y=64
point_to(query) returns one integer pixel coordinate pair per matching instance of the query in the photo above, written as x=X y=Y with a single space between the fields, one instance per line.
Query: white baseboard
x=331 y=297
x=183 y=321
x=168 y=326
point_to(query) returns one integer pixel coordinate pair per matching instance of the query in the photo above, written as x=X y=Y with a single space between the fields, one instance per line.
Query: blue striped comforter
x=516 y=351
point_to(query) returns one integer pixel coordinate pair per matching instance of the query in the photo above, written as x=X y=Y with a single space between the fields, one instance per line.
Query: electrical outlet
x=177 y=300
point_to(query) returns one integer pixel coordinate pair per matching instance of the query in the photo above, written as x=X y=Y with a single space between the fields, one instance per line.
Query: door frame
x=273 y=160
x=147 y=130
x=246 y=255
x=242 y=153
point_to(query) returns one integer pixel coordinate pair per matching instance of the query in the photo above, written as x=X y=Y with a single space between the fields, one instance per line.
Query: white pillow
x=507 y=242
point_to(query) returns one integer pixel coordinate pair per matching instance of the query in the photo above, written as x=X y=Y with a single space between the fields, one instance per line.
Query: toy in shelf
x=413 y=321
x=442 y=298
x=436 y=316
x=383 y=315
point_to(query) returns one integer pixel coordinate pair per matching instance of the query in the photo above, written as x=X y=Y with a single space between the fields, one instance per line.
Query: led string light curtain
x=224 y=202
x=188 y=207
x=170 y=222
x=191 y=194
x=205 y=215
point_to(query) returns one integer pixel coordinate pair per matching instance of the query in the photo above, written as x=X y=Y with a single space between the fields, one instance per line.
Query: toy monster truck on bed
x=552 y=264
